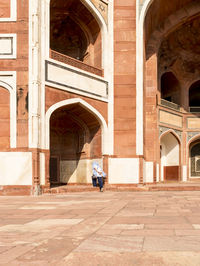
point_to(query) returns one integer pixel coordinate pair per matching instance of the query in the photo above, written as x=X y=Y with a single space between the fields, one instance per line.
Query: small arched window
x=194 y=97
x=170 y=88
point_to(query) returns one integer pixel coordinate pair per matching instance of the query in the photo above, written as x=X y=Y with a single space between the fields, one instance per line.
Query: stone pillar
x=34 y=92
x=151 y=133
x=105 y=166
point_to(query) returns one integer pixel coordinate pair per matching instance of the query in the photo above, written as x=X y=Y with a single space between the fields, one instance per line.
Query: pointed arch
x=86 y=106
x=170 y=156
x=193 y=139
x=173 y=133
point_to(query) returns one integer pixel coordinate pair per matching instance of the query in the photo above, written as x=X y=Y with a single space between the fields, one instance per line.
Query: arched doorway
x=194 y=160
x=75 y=142
x=170 y=157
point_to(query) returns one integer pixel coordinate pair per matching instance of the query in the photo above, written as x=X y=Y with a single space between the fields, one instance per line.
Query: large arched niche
x=155 y=19
x=75 y=32
x=171 y=36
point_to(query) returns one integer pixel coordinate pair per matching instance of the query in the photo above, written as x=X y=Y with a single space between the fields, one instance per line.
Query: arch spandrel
x=102 y=6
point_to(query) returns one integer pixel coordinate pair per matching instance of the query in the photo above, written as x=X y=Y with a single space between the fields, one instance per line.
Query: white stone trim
x=110 y=75
x=13 y=12
x=42 y=168
x=8 y=81
x=30 y=76
x=148 y=172
x=140 y=17
x=90 y=109
x=104 y=31
x=184 y=173
x=13 y=48
x=157 y=172
x=34 y=73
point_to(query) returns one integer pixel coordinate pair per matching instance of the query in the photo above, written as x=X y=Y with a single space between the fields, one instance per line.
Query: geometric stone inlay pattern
x=102 y=6
x=164 y=129
x=192 y=134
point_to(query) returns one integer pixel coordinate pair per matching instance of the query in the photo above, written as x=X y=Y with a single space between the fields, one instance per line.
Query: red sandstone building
x=113 y=81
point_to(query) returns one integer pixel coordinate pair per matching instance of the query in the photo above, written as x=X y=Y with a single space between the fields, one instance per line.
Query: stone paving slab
x=110 y=228
x=133 y=259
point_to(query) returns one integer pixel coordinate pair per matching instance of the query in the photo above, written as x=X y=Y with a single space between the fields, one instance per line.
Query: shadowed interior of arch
x=75 y=140
x=170 y=88
x=75 y=32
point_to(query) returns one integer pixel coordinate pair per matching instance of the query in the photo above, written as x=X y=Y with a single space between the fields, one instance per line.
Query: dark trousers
x=100 y=181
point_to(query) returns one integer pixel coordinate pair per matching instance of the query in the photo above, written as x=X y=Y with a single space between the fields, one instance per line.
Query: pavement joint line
x=99 y=227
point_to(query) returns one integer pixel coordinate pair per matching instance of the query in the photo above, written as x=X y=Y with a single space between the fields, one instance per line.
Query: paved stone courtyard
x=92 y=228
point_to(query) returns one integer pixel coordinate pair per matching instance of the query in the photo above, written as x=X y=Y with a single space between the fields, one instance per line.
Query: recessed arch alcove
x=75 y=32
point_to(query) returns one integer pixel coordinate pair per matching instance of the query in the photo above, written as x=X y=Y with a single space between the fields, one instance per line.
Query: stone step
x=123 y=188
x=61 y=189
x=15 y=190
x=175 y=188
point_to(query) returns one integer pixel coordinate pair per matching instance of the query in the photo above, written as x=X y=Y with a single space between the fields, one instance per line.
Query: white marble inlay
x=70 y=78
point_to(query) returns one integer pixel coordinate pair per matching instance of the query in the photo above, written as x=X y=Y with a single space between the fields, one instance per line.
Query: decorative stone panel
x=74 y=80
x=170 y=119
x=193 y=122
x=102 y=6
x=7 y=46
x=8 y=12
